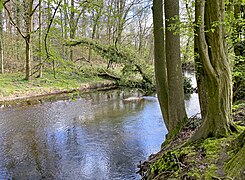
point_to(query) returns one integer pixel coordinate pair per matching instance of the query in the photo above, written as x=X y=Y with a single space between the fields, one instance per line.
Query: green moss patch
x=205 y=160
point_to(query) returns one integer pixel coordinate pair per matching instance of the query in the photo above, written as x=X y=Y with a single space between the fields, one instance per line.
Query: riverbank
x=211 y=159
x=13 y=88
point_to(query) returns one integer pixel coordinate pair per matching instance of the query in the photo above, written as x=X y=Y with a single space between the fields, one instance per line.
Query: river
x=97 y=136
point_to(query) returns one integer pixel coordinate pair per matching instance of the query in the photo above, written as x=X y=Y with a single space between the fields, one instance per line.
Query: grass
x=14 y=85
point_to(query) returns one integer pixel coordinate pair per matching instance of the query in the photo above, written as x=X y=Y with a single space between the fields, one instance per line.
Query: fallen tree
x=130 y=61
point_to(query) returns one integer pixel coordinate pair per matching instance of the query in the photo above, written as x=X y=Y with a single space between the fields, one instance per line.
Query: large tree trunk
x=214 y=66
x=160 y=62
x=176 y=106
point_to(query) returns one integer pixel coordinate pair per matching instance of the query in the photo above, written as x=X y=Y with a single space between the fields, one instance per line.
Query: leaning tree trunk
x=215 y=68
x=177 y=113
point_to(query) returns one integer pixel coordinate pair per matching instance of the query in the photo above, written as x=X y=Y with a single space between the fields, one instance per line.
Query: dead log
x=106 y=75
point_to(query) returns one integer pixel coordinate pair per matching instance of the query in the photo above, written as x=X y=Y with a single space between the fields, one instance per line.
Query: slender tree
x=96 y=17
x=28 y=19
x=1 y=38
x=40 y=39
x=18 y=24
x=28 y=6
x=177 y=111
x=168 y=66
x=160 y=61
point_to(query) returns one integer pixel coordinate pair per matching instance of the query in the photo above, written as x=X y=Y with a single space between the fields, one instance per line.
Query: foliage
x=135 y=72
x=235 y=22
x=188 y=89
x=239 y=78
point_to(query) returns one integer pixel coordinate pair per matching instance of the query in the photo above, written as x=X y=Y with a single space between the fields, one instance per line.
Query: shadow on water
x=98 y=136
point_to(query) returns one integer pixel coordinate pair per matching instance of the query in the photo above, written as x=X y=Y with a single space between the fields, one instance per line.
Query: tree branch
x=34 y=10
x=49 y=26
x=12 y=20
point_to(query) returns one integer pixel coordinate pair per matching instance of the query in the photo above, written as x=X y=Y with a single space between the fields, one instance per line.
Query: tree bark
x=18 y=22
x=1 y=41
x=94 y=29
x=72 y=26
x=177 y=113
x=29 y=27
x=160 y=62
x=168 y=70
x=40 y=40
x=215 y=68
x=199 y=70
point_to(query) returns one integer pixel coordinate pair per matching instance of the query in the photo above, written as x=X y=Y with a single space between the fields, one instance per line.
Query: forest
x=53 y=47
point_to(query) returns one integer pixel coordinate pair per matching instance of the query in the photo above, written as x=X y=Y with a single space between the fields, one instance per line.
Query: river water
x=97 y=136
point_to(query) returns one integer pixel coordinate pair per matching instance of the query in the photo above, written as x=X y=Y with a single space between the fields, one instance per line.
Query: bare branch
x=12 y=20
x=34 y=9
x=5 y=2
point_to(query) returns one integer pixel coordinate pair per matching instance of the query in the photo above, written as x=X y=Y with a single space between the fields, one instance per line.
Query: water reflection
x=191 y=100
x=96 y=137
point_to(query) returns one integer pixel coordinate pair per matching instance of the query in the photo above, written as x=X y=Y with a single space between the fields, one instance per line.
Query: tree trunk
x=215 y=69
x=176 y=106
x=29 y=27
x=1 y=41
x=65 y=26
x=199 y=72
x=18 y=17
x=121 y=6
x=72 y=26
x=28 y=59
x=168 y=71
x=160 y=62
x=96 y=23
x=40 y=40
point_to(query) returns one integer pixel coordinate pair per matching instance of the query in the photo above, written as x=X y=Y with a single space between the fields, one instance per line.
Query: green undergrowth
x=15 y=84
x=193 y=161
